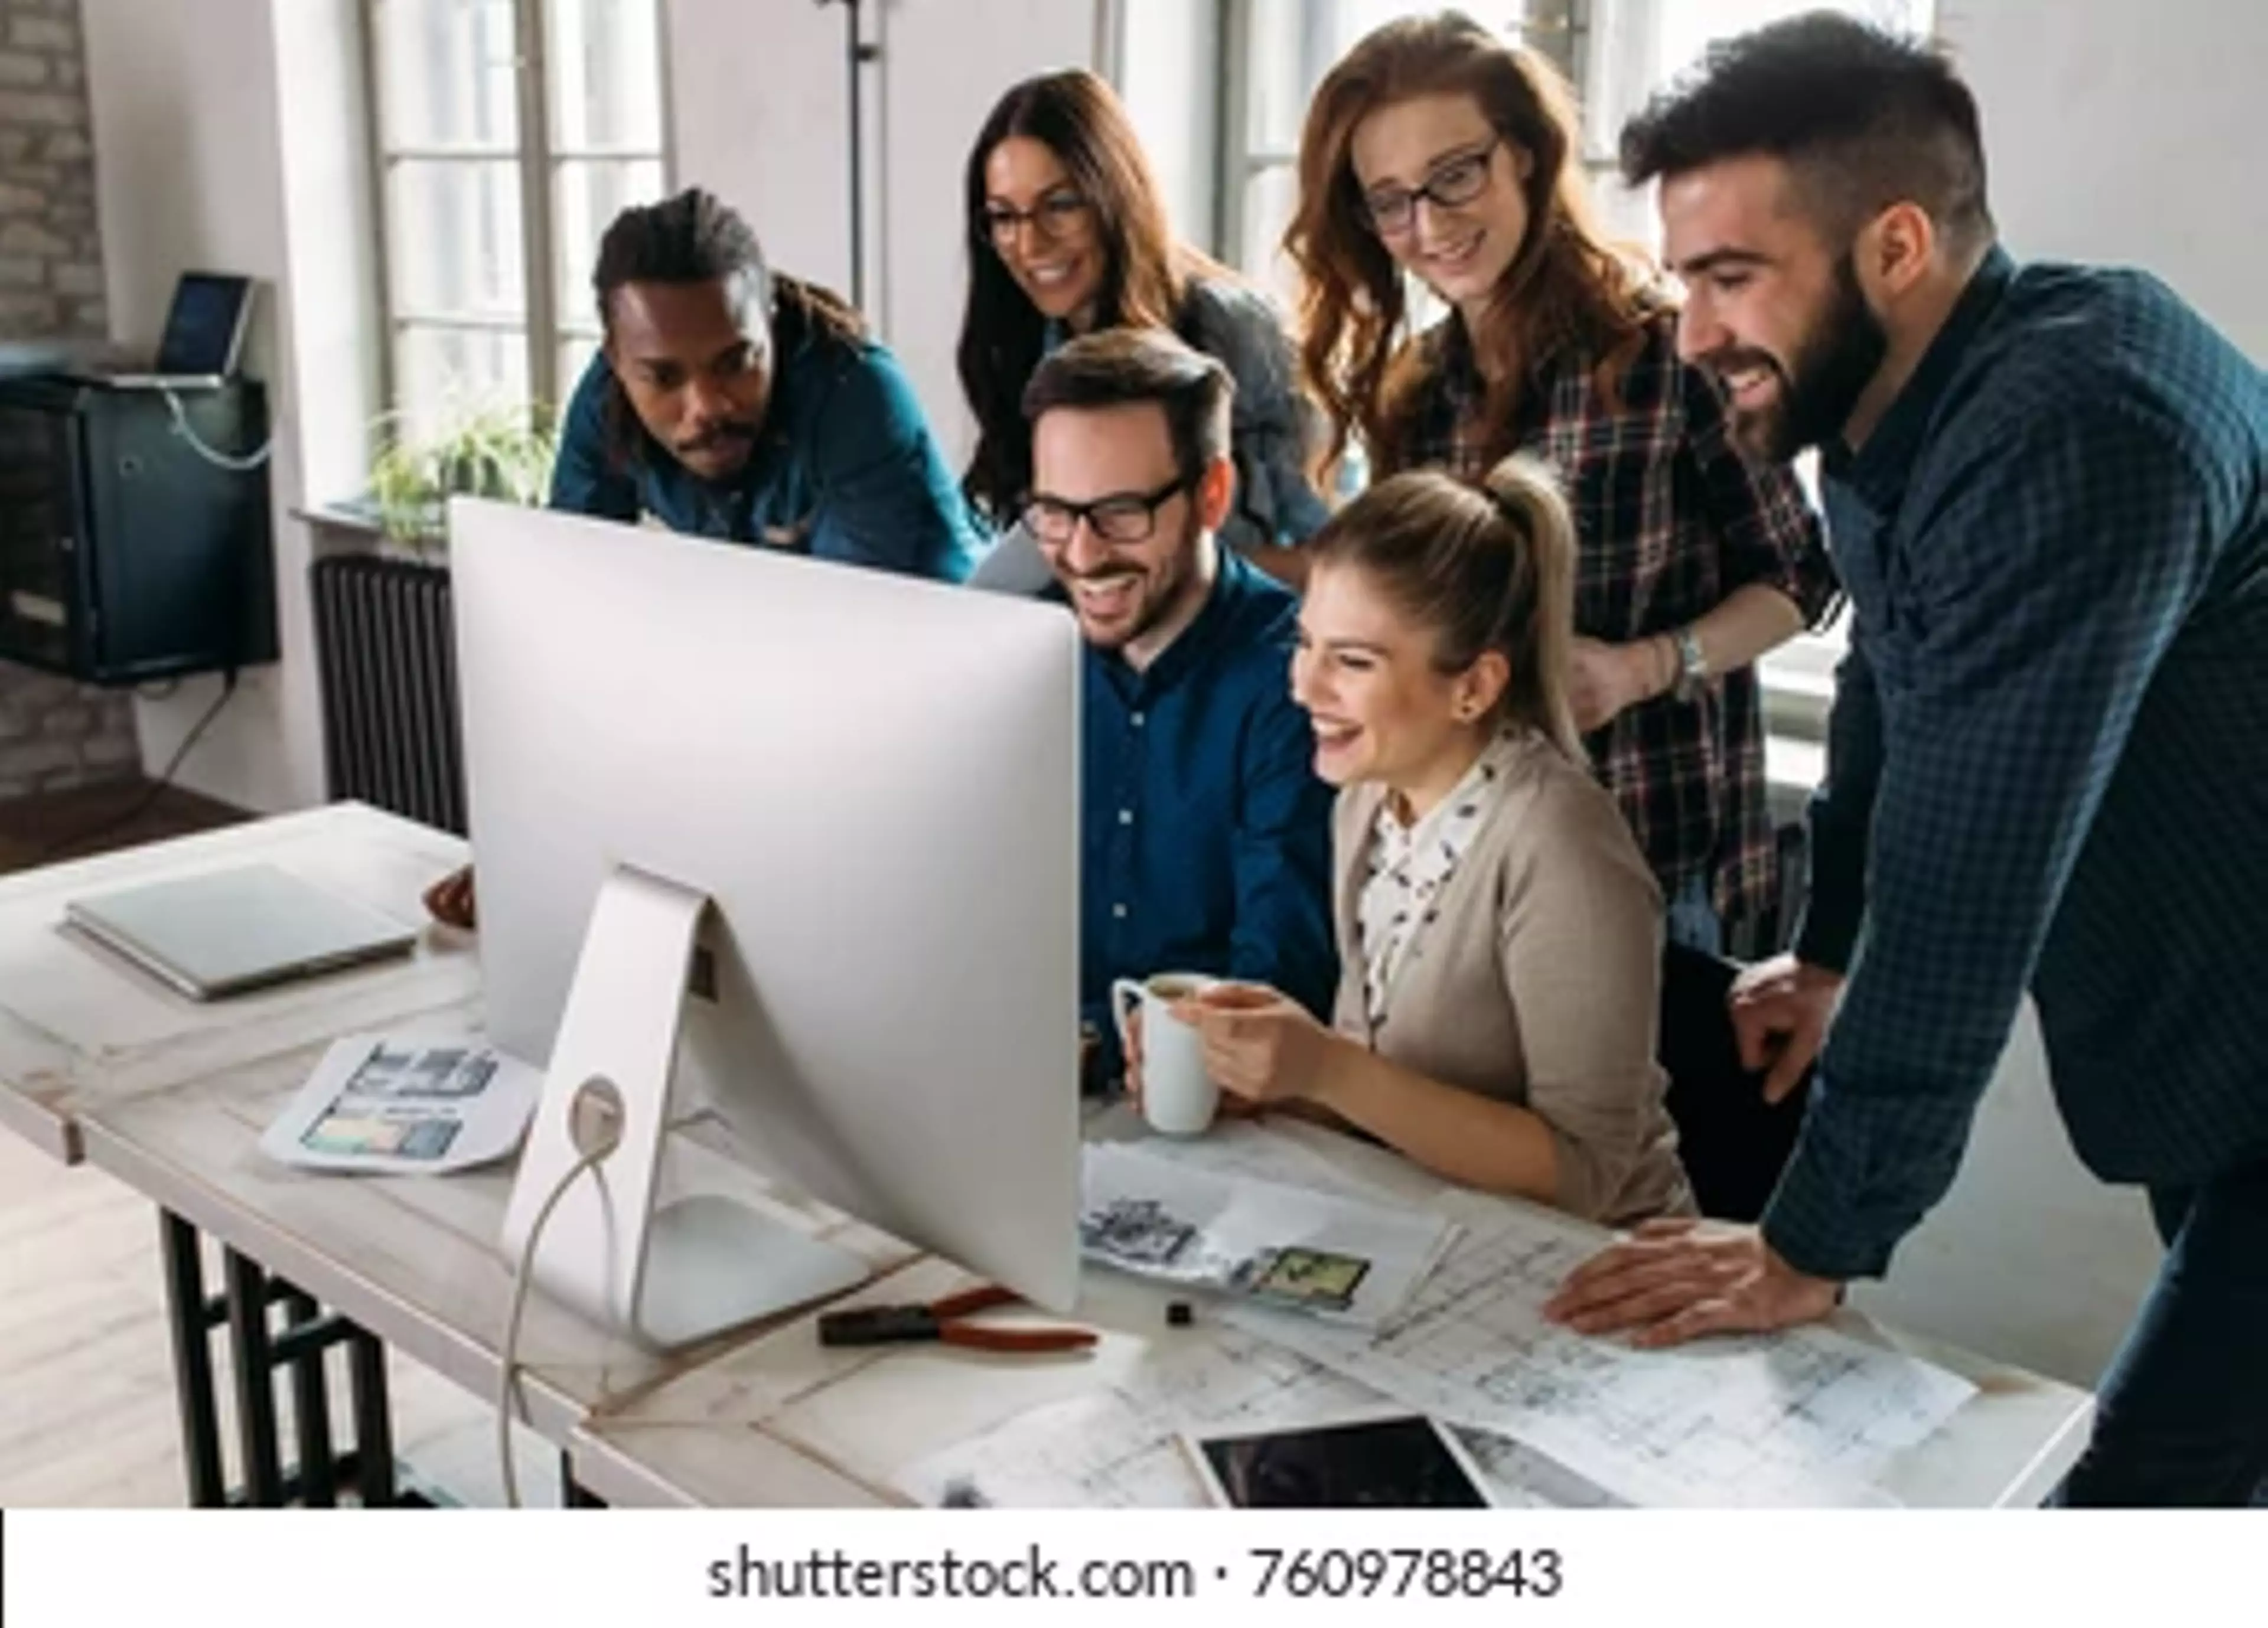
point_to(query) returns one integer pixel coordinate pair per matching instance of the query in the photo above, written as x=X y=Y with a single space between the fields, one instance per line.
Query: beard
x=1832 y=366
x=1163 y=589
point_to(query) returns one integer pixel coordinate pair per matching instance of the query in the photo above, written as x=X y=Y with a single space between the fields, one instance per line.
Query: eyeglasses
x=1055 y=215
x=1393 y=211
x=1123 y=517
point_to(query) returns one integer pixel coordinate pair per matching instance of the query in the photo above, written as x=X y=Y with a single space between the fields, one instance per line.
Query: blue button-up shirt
x=1207 y=839
x=845 y=467
x=2048 y=764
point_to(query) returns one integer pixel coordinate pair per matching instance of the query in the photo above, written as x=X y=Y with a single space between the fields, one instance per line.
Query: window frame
x=545 y=329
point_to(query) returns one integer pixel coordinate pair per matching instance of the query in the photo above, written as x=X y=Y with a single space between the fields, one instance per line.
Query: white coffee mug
x=1178 y=1096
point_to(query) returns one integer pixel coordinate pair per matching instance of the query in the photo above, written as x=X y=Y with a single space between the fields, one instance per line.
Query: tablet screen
x=1387 y=1464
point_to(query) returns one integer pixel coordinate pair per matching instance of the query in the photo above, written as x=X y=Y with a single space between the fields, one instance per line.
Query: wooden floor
x=87 y=1410
x=87 y=1413
x=96 y=819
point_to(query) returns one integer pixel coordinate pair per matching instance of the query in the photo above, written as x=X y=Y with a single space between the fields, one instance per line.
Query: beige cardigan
x=1537 y=983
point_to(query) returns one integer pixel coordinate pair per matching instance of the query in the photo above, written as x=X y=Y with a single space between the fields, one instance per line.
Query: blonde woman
x=1499 y=934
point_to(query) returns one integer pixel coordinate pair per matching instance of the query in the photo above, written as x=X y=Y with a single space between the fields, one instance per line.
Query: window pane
x=446 y=73
x=575 y=355
x=1270 y=196
x=1277 y=95
x=605 y=58
x=588 y=195
x=453 y=238
x=444 y=373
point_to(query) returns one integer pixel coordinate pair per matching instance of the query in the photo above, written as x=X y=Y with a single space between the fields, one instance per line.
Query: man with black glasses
x=1207 y=839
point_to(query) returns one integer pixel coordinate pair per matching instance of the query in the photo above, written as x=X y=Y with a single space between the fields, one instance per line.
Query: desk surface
x=869 y=1415
x=81 y=1028
x=97 y=1059
x=172 y=1096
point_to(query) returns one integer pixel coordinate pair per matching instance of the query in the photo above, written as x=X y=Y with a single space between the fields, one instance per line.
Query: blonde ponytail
x=1537 y=611
x=1484 y=568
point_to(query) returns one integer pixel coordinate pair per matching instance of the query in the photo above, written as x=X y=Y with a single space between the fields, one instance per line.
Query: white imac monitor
x=860 y=793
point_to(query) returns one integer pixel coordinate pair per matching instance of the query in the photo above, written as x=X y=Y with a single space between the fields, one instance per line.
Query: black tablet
x=1402 y=1461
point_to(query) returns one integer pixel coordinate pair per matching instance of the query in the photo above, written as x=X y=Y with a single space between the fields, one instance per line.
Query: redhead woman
x=1434 y=153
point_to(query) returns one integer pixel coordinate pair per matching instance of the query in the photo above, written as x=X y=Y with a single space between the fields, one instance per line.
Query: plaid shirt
x=1670 y=518
x=2048 y=765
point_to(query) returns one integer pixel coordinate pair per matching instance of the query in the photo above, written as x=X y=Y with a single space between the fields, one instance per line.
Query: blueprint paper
x=1118 y=1446
x=1808 y=1416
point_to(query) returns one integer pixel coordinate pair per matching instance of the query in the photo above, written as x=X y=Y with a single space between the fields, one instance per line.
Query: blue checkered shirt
x=2048 y=765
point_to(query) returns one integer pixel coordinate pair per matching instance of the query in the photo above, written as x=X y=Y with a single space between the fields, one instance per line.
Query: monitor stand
x=672 y=1275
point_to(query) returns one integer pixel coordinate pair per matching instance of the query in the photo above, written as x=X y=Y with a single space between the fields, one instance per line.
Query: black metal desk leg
x=311 y=1407
x=255 y=1383
x=186 y=1322
x=373 y=1423
x=572 y=1493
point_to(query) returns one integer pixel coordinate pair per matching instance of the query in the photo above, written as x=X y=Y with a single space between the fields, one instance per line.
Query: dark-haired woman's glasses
x=1123 y=517
x=1393 y=211
x=1054 y=216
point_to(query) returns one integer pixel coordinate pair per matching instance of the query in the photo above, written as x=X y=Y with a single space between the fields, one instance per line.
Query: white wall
x=2128 y=133
x=760 y=110
x=190 y=172
x=2029 y=1259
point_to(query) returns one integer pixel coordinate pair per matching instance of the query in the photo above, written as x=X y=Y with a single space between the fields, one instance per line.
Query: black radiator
x=385 y=641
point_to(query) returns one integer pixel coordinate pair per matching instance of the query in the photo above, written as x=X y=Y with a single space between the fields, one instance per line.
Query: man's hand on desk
x=1675 y=1280
x=1780 y=1010
x=449 y=900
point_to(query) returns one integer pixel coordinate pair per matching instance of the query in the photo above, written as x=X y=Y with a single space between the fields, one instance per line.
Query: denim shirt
x=1206 y=840
x=2048 y=759
x=844 y=468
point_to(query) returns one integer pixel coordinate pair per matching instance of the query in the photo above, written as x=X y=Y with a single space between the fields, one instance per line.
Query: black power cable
x=63 y=844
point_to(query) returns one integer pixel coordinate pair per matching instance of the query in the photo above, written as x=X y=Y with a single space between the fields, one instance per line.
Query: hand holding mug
x=1258 y=1045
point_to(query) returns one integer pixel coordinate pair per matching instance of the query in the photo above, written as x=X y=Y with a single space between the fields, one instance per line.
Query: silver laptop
x=203 y=337
x=231 y=930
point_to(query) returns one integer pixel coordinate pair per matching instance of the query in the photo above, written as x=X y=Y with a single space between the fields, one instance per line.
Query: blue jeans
x=1693 y=920
x=2182 y=1417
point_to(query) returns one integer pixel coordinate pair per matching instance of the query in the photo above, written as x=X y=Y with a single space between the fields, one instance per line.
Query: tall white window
x=506 y=134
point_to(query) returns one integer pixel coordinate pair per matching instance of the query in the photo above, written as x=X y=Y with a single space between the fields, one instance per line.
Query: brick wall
x=54 y=734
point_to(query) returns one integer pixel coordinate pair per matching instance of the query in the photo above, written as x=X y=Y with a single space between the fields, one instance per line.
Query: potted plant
x=499 y=451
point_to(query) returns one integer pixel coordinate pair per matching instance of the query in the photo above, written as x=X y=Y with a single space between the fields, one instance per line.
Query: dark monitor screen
x=206 y=324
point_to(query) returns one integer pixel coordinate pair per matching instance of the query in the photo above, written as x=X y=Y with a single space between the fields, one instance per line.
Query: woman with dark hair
x=1068 y=234
x=1435 y=151
x=1499 y=935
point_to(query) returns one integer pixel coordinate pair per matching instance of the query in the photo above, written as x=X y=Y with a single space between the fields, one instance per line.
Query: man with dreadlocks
x=733 y=402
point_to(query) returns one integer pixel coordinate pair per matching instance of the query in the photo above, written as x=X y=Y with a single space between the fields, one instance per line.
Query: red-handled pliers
x=942 y=1321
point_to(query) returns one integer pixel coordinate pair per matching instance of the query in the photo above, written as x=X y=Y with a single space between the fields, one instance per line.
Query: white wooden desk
x=172 y=1096
x=83 y=1029
x=80 y=1026
x=415 y=1260
x=98 y=1060
x=708 y=1437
